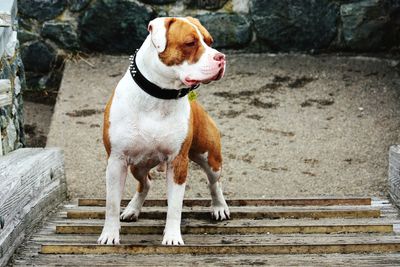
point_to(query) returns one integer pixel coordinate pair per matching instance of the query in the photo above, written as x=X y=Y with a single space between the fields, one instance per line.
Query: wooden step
x=232 y=244
x=259 y=227
x=62 y=220
x=248 y=239
x=245 y=213
x=124 y=260
x=227 y=229
x=328 y=201
x=222 y=249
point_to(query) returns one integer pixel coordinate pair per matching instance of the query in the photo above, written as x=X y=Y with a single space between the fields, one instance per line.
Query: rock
x=370 y=25
x=17 y=85
x=115 y=26
x=41 y=10
x=38 y=57
x=6 y=70
x=11 y=115
x=11 y=132
x=26 y=36
x=240 y=6
x=63 y=33
x=295 y=24
x=158 y=2
x=206 y=4
x=227 y=30
x=78 y=5
x=12 y=44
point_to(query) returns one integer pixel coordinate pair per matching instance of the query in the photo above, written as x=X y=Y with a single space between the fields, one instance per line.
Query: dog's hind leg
x=220 y=210
x=206 y=152
x=132 y=211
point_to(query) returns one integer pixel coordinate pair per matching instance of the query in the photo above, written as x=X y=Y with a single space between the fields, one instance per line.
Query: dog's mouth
x=218 y=76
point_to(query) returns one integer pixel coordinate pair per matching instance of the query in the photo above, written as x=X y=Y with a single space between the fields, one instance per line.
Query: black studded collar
x=151 y=88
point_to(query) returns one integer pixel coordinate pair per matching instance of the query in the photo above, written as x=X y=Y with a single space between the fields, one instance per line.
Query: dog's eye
x=190 y=44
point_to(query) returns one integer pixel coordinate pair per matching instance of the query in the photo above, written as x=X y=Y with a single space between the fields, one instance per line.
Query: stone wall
x=52 y=29
x=12 y=81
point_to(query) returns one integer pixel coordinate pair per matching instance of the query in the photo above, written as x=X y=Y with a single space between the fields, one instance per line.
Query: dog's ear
x=158 y=29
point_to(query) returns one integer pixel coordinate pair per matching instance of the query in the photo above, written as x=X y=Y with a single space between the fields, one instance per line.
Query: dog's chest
x=146 y=129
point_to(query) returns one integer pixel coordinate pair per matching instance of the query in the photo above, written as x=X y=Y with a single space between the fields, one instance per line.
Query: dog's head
x=184 y=45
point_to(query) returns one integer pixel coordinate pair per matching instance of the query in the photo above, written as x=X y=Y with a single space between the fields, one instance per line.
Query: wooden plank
x=30 y=259
x=1 y=145
x=242 y=202
x=238 y=239
x=31 y=185
x=237 y=222
x=225 y=229
x=18 y=229
x=296 y=214
x=222 y=249
x=24 y=173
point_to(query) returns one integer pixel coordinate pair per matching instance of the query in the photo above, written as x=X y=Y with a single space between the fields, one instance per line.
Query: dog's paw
x=130 y=214
x=172 y=239
x=220 y=212
x=109 y=236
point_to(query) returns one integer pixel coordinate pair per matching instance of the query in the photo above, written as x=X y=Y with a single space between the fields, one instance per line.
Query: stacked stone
x=11 y=82
x=53 y=29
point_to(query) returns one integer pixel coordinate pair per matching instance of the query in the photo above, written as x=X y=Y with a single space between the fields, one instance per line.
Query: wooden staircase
x=309 y=231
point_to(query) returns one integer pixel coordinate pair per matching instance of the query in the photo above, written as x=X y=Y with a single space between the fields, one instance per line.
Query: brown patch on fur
x=181 y=162
x=203 y=136
x=206 y=137
x=106 y=126
x=183 y=43
x=206 y=35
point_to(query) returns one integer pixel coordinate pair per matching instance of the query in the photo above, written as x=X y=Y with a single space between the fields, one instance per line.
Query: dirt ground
x=292 y=125
x=37 y=120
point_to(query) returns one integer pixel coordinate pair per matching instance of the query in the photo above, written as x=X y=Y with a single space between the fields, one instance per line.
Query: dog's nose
x=219 y=56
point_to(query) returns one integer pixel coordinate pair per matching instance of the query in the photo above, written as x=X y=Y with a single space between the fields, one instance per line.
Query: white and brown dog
x=146 y=125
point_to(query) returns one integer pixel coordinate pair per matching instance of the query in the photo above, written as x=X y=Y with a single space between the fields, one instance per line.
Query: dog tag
x=192 y=95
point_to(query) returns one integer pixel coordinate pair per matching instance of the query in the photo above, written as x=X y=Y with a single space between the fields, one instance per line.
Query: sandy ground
x=292 y=125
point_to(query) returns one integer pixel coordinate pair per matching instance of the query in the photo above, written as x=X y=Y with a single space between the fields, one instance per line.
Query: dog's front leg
x=115 y=181
x=176 y=182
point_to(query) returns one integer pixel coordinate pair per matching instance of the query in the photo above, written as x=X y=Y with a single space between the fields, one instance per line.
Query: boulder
x=158 y=2
x=227 y=30
x=63 y=33
x=38 y=57
x=295 y=24
x=26 y=36
x=78 y=5
x=114 y=26
x=370 y=25
x=206 y=4
x=41 y=10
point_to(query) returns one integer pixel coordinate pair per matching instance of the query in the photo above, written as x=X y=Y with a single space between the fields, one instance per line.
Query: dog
x=149 y=122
